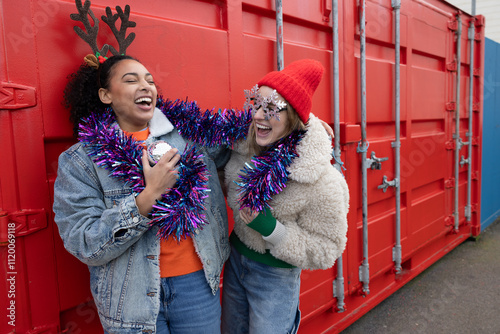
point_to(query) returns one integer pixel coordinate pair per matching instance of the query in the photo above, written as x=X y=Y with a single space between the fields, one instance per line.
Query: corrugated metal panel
x=490 y=9
x=490 y=203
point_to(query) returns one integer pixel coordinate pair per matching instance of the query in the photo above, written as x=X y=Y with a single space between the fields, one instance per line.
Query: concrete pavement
x=458 y=294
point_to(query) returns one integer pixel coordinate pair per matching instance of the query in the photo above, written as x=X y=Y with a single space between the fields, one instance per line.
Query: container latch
x=14 y=96
x=23 y=222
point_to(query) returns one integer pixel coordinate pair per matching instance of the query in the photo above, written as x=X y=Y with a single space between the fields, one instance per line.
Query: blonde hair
x=294 y=123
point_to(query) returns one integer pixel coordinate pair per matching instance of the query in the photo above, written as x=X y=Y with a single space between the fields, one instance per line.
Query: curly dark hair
x=81 y=95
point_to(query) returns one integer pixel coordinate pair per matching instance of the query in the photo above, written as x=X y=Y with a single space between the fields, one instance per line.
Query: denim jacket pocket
x=112 y=197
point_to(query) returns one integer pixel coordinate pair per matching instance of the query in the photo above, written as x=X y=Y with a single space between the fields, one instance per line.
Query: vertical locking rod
x=458 y=143
x=468 y=210
x=396 y=252
x=364 y=269
x=279 y=34
x=339 y=281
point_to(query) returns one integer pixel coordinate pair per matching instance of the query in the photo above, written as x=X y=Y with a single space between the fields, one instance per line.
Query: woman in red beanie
x=290 y=204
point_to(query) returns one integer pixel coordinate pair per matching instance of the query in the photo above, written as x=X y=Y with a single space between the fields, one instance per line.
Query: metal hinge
x=453 y=25
x=452 y=66
x=14 y=96
x=479 y=20
x=450 y=183
x=450 y=145
x=451 y=106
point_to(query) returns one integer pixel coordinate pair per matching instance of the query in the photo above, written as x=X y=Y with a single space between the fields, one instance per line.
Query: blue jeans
x=188 y=306
x=257 y=298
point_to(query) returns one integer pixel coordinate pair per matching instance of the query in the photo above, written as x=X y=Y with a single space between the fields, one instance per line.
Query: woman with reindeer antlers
x=142 y=209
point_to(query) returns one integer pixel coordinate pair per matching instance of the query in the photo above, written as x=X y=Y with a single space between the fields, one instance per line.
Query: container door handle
x=375 y=163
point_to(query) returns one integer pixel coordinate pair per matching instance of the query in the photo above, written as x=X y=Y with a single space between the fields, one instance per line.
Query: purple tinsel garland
x=258 y=183
x=206 y=127
x=268 y=175
x=187 y=196
x=180 y=211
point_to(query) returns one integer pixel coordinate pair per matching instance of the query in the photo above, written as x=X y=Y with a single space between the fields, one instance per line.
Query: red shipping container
x=210 y=51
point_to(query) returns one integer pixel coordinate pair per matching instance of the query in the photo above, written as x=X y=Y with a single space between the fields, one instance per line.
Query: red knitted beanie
x=296 y=83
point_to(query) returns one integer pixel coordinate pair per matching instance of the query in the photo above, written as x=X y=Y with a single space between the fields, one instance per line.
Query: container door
x=27 y=247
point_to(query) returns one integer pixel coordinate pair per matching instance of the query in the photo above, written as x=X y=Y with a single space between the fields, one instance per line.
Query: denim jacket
x=100 y=224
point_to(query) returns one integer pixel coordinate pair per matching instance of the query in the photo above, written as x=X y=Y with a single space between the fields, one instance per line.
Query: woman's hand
x=248 y=215
x=328 y=128
x=163 y=175
x=158 y=179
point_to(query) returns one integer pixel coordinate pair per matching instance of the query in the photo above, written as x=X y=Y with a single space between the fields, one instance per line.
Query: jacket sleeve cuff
x=264 y=223
x=131 y=215
x=278 y=234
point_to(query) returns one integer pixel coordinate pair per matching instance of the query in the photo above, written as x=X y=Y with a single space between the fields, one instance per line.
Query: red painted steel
x=210 y=51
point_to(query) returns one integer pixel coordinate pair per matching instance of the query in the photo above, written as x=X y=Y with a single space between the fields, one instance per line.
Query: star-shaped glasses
x=271 y=104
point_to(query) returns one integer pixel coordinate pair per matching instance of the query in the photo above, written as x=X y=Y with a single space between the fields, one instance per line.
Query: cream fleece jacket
x=311 y=210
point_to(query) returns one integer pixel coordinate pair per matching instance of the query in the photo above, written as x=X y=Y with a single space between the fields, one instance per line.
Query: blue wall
x=490 y=178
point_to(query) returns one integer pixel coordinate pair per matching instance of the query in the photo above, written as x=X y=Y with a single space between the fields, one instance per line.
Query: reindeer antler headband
x=99 y=56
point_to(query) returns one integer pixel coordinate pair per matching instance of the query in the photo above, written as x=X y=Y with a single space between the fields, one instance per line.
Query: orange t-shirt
x=176 y=258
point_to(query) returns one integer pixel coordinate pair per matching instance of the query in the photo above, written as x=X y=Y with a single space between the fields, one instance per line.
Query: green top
x=264 y=223
x=265 y=258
